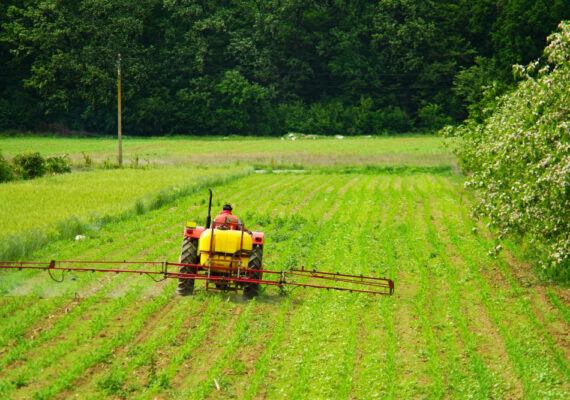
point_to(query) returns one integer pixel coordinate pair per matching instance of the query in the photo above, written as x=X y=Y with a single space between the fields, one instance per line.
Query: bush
x=519 y=158
x=30 y=165
x=6 y=170
x=58 y=165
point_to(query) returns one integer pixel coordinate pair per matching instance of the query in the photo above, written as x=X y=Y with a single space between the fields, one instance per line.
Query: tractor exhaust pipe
x=209 y=217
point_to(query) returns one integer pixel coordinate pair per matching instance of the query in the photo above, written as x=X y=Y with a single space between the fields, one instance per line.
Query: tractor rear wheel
x=252 y=289
x=189 y=255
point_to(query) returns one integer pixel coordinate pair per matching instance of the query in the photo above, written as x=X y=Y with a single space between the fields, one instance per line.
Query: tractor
x=221 y=249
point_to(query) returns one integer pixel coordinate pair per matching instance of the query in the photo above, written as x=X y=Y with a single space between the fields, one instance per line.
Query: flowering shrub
x=519 y=158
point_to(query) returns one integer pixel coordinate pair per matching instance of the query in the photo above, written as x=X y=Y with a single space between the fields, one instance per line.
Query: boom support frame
x=292 y=277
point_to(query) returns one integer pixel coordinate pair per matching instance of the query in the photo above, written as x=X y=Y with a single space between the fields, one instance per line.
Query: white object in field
x=79 y=237
x=339 y=137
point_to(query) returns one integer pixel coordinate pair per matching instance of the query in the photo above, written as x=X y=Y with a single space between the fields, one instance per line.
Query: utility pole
x=119 y=112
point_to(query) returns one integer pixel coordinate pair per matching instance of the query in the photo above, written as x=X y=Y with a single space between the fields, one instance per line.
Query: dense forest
x=263 y=67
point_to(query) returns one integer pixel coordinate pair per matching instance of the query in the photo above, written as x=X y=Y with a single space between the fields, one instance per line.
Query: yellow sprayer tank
x=226 y=248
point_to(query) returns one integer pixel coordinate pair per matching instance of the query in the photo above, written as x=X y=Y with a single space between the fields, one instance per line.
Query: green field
x=410 y=150
x=461 y=324
x=43 y=202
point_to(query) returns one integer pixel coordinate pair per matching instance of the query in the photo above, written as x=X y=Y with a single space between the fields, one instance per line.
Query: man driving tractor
x=226 y=217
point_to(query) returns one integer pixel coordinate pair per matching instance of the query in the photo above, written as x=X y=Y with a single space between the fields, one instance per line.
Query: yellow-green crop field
x=461 y=324
x=43 y=202
x=409 y=150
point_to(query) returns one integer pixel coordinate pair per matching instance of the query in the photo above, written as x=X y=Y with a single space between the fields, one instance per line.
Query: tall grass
x=18 y=245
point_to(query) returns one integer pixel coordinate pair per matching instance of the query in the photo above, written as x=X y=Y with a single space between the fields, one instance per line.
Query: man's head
x=228 y=207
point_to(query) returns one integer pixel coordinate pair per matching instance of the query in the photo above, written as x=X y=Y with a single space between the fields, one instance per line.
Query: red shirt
x=226 y=216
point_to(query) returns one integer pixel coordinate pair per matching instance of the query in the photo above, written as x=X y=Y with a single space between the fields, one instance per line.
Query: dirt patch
x=491 y=347
x=410 y=358
x=556 y=327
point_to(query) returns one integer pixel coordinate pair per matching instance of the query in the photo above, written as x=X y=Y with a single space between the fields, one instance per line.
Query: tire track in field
x=338 y=345
x=537 y=305
x=189 y=341
x=520 y=275
x=104 y=351
x=280 y=377
x=375 y=361
x=430 y=294
x=48 y=361
x=304 y=325
x=365 y=223
x=361 y=222
x=262 y=364
x=42 y=334
x=151 y=347
x=408 y=375
x=520 y=270
x=440 y=346
x=556 y=328
x=484 y=354
x=530 y=304
x=237 y=357
x=290 y=339
x=516 y=338
x=209 y=360
x=235 y=378
x=481 y=380
x=505 y=326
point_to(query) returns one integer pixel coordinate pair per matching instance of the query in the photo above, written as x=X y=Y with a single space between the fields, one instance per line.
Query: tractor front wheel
x=189 y=255
x=252 y=289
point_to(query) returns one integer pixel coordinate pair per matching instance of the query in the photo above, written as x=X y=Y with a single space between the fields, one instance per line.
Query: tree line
x=263 y=67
